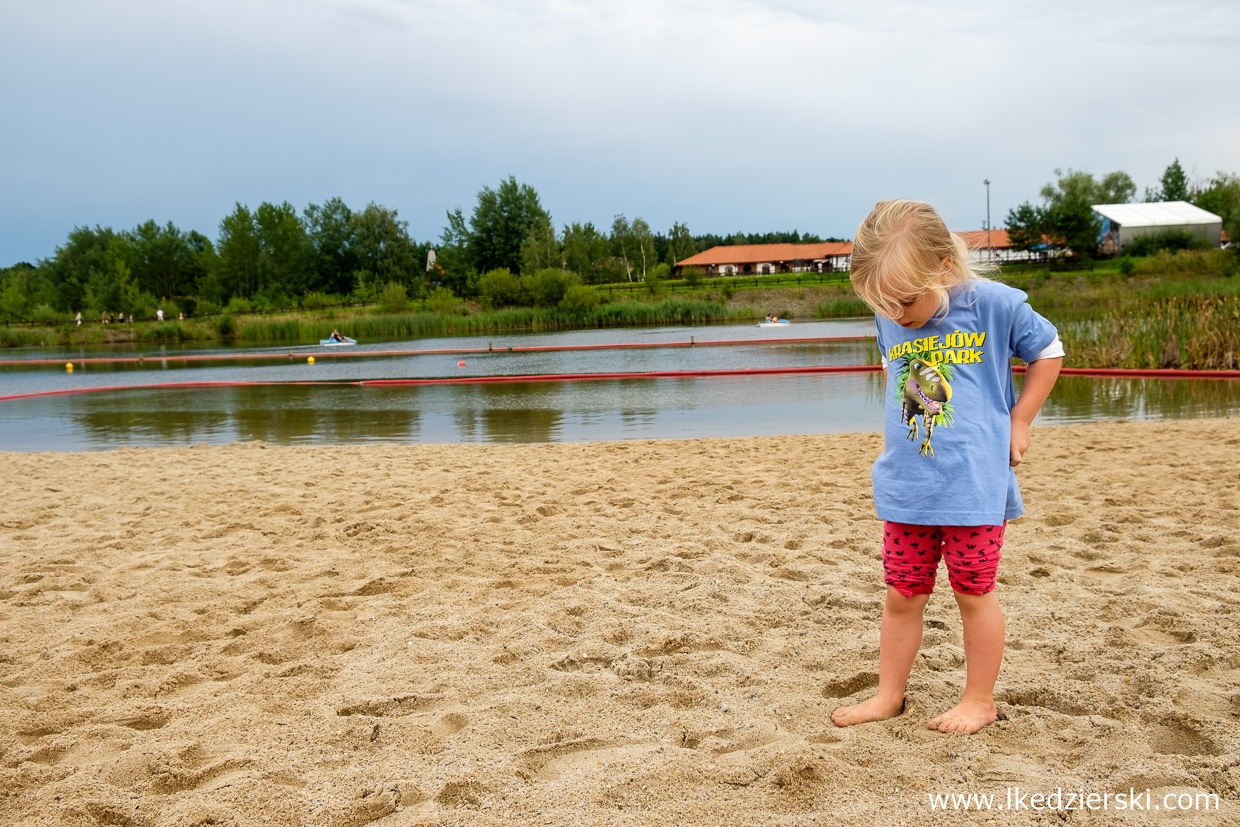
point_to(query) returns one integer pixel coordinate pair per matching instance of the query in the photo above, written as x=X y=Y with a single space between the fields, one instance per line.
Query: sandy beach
x=638 y=633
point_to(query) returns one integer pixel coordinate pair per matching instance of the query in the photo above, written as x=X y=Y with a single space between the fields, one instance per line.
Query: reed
x=303 y=329
x=165 y=332
x=20 y=336
x=1180 y=332
x=840 y=307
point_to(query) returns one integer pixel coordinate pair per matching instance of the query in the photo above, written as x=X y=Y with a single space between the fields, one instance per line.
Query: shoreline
x=649 y=632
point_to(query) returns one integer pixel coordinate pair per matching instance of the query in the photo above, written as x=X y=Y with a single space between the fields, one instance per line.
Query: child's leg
x=972 y=556
x=910 y=560
x=983 y=654
x=899 y=640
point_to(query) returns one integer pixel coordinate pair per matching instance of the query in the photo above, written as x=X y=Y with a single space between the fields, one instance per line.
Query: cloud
x=727 y=114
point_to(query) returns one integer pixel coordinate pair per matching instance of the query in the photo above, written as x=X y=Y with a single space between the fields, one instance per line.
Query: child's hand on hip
x=1020 y=442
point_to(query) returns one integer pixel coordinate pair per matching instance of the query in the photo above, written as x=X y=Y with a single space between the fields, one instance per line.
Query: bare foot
x=967 y=717
x=874 y=709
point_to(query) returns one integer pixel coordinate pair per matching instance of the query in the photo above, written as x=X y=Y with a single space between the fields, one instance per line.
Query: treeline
x=274 y=257
x=1065 y=216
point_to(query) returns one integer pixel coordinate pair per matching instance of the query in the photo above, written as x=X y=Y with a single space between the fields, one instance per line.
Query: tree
x=14 y=296
x=1173 y=186
x=238 y=254
x=285 y=255
x=587 y=252
x=111 y=286
x=385 y=249
x=333 y=237
x=452 y=266
x=680 y=244
x=1115 y=188
x=645 y=256
x=205 y=264
x=166 y=261
x=1067 y=212
x=541 y=248
x=86 y=251
x=1025 y=226
x=1221 y=196
x=623 y=244
x=501 y=223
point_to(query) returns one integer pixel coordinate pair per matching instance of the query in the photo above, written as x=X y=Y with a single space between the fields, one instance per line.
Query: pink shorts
x=911 y=556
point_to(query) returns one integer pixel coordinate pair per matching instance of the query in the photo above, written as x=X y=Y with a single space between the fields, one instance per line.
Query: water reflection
x=1086 y=399
x=279 y=415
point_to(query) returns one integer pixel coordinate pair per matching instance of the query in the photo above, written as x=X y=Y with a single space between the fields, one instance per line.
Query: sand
x=648 y=633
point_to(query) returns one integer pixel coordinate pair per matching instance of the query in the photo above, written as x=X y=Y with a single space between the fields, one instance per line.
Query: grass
x=1185 y=332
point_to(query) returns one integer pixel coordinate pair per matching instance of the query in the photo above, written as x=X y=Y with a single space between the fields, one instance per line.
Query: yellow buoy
x=311 y=360
x=69 y=366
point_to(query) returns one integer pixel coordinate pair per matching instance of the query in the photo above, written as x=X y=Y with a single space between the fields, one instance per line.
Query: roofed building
x=993 y=246
x=764 y=259
x=832 y=256
x=1123 y=223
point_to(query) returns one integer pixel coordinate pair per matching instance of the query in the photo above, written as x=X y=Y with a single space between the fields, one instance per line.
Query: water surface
x=612 y=409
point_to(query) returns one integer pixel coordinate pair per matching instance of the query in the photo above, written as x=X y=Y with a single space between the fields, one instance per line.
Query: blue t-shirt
x=948 y=403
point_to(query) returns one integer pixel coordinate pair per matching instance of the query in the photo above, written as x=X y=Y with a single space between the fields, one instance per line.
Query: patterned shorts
x=911 y=556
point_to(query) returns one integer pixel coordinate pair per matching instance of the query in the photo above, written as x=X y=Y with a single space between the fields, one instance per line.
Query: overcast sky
x=726 y=115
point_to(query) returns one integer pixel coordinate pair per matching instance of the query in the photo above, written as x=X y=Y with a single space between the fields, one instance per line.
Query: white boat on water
x=780 y=323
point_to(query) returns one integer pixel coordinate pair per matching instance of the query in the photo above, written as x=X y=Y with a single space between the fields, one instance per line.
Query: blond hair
x=904 y=249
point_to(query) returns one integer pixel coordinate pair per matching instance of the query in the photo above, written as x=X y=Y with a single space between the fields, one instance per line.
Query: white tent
x=1122 y=223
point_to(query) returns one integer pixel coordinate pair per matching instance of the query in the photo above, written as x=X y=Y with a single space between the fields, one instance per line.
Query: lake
x=533 y=411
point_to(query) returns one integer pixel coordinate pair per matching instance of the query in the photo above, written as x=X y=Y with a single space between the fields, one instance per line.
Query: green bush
x=45 y=314
x=144 y=307
x=692 y=276
x=206 y=307
x=579 y=299
x=393 y=298
x=366 y=287
x=315 y=301
x=1170 y=240
x=238 y=305
x=267 y=303
x=227 y=326
x=442 y=300
x=499 y=288
x=1127 y=266
x=1165 y=263
x=546 y=287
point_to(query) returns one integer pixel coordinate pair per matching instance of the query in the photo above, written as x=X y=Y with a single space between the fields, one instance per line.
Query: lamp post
x=990 y=249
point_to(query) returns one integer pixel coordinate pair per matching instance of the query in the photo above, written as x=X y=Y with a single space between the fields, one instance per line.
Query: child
x=944 y=484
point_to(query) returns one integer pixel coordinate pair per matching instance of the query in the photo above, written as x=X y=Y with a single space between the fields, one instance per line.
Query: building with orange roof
x=994 y=245
x=833 y=256
x=764 y=259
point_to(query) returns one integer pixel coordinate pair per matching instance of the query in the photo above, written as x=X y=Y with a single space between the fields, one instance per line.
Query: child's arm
x=1039 y=379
